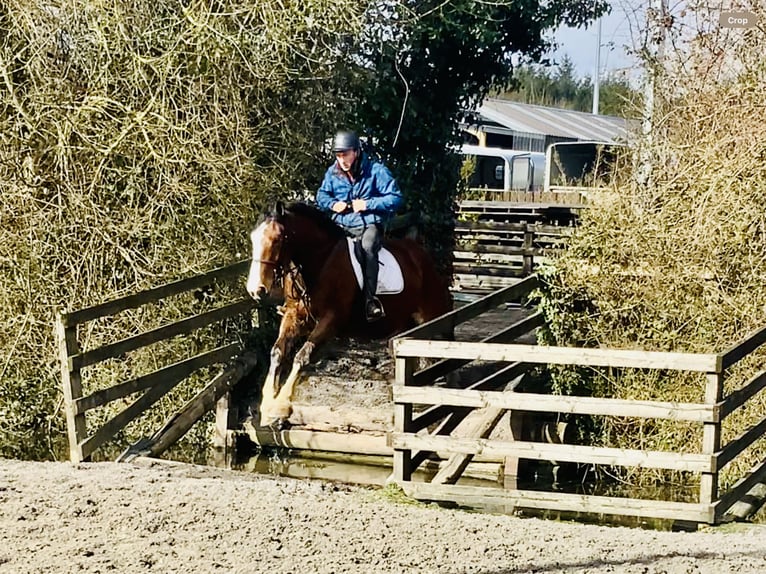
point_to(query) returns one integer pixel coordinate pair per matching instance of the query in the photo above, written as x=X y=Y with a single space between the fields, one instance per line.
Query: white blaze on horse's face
x=254 y=285
x=266 y=240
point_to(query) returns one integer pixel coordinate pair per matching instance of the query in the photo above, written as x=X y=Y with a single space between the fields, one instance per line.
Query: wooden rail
x=152 y=386
x=556 y=195
x=419 y=403
x=450 y=417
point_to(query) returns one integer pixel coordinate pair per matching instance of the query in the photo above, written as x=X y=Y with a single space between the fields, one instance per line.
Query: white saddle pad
x=390 y=278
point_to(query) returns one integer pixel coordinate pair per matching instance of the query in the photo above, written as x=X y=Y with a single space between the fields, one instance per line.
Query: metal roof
x=533 y=119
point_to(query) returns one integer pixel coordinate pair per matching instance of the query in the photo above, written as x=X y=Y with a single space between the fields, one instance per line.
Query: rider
x=361 y=195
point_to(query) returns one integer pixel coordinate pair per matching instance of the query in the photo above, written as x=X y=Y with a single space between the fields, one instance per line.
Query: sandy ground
x=158 y=517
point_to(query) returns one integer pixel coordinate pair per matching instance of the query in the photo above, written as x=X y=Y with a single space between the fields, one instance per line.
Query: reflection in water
x=279 y=462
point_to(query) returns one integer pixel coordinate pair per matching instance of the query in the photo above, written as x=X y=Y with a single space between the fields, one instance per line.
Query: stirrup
x=374 y=309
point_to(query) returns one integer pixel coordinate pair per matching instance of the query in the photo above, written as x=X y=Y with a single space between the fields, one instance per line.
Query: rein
x=299 y=291
x=299 y=288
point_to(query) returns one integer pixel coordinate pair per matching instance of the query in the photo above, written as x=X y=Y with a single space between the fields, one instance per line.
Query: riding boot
x=373 y=308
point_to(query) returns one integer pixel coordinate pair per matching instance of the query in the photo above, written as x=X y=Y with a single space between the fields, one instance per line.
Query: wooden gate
x=153 y=386
x=419 y=403
x=496 y=243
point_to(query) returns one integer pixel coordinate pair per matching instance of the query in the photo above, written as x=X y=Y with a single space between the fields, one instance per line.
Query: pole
x=597 y=74
x=655 y=50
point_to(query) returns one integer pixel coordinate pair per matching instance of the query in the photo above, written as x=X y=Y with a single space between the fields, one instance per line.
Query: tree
x=131 y=132
x=618 y=98
x=420 y=65
x=559 y=87
x=676 y=262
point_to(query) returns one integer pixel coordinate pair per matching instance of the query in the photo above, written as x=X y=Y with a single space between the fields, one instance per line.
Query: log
x=352 y=467
x=302 y=439
x=342 y=418
x=749 y=504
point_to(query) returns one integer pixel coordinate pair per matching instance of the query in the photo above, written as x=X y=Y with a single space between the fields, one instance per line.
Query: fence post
x=711 y=440
x=527 y=246
x=405 y=368
x=225 y=420
x=71 y=381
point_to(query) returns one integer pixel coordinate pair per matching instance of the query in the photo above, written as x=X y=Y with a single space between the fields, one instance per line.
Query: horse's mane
x=320 y=218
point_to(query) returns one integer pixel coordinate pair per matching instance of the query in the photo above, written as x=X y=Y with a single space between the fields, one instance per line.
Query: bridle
x=293 y=270
x=299 y=288
x=279 y=271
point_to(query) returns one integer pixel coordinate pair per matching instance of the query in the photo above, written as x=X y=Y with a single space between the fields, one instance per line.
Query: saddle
x=390 y=278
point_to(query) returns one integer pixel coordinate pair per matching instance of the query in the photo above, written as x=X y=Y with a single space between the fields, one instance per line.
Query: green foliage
x=392 y=492
x=557 y=87
x=138 y=143
x=618 y=98
x=421 y=65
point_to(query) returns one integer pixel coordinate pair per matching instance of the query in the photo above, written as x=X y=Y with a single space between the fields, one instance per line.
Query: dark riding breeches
x=371 y=239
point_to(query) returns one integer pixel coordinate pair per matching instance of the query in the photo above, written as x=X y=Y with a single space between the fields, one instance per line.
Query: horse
x=300 y=257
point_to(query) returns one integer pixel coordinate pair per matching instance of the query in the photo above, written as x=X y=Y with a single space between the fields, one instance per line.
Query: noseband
x=279 y=270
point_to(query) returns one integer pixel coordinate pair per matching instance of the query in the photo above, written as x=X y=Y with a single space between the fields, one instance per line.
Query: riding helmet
x=345 y=140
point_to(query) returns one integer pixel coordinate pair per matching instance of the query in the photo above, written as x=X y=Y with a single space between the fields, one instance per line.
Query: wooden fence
x=419 y=404
x=154 y=385
x=498 y=242
x=555 y=195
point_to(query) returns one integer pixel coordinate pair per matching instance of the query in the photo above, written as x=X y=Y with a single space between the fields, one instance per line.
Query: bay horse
x=301 y=257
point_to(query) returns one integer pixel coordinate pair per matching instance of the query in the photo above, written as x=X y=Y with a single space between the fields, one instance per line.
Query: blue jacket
x=375 y=185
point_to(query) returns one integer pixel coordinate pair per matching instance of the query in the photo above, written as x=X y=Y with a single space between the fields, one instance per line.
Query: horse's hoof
x=275 y=417
x=274 y=422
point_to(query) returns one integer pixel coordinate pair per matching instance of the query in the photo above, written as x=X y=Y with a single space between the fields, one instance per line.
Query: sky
x=619 y=32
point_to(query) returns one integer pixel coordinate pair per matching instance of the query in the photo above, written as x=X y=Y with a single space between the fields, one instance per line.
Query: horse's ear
x=279 y=209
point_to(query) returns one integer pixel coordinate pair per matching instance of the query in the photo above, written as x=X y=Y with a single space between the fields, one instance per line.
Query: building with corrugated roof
x=514 y=125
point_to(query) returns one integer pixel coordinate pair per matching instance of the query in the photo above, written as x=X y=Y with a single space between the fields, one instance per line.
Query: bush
x=138 y=142
x=678 y=263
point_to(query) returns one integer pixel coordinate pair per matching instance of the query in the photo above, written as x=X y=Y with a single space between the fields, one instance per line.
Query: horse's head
x=298 y=234
x=269 y=258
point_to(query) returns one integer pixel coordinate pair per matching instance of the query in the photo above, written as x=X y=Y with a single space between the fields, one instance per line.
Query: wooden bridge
x=457 y=404
x=496 y=231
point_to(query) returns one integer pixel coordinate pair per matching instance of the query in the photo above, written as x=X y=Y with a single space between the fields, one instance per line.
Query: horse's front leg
x=269 y=389
x=282 y=407
x=289 y=331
